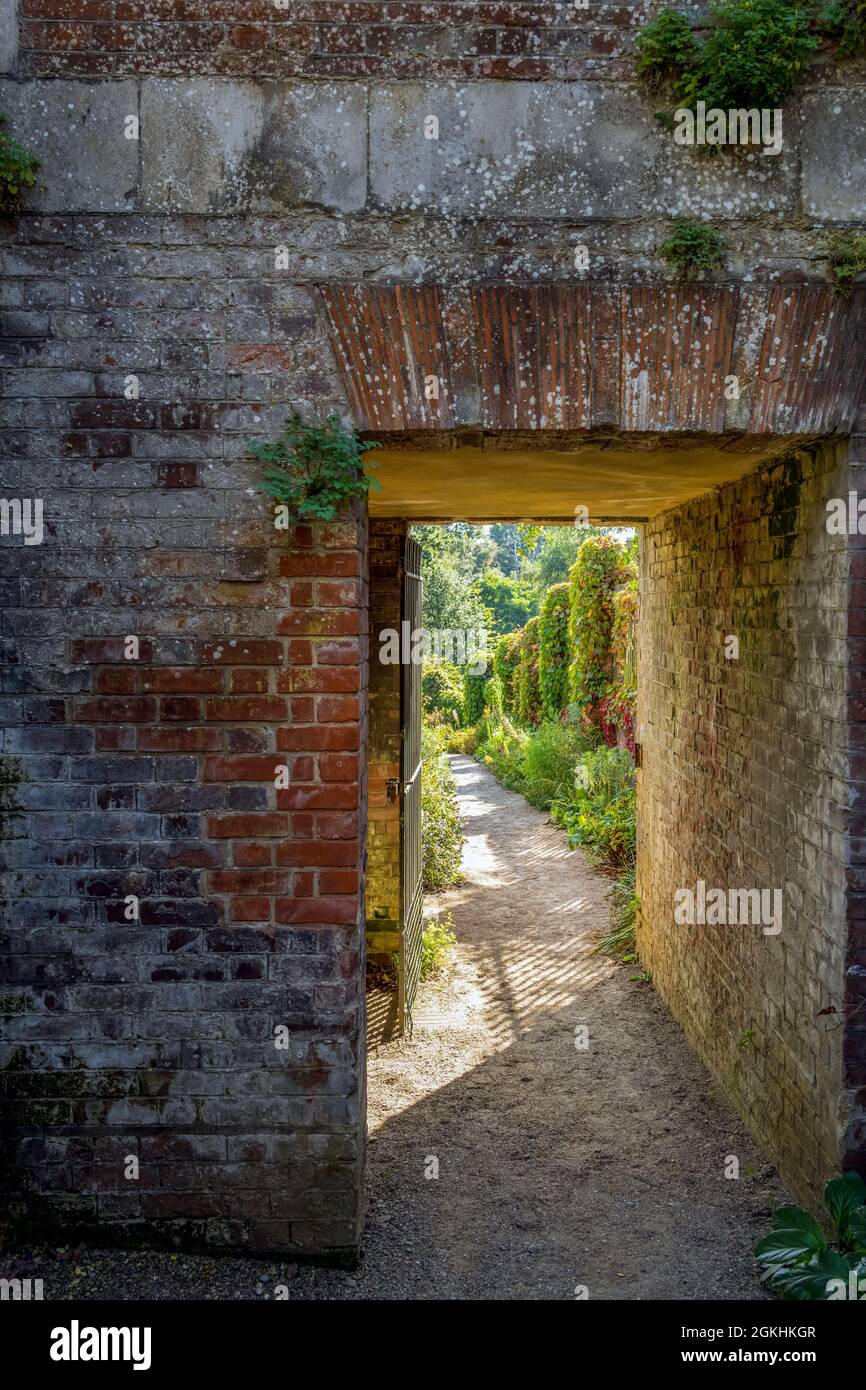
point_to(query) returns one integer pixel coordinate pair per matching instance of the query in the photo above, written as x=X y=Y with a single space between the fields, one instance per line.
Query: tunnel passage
x=154 y=778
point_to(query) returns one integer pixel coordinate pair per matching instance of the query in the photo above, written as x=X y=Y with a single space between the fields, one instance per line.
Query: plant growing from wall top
x=314 y=470
x=846 y=256
x=798 y=1260
x=17 y=171
x=844 y=21
x=692 y=246
x=755 y=53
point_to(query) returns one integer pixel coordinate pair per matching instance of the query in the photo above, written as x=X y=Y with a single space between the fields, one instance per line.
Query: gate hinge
x=638 y=755
x=393 y=788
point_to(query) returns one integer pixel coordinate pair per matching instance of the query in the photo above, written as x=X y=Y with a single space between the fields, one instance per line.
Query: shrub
x=463 y=741
x=755 y=53
x=473 y=697
x=599 y=813
x=528 y=695
x=619 y=938
x=595 y=574
x=17 y=171
x=441 y=829
x=442 y=691
x=553 y=651
x=314 y=470
x=692 y=246
x=438 y=940
x=800 y=1263
x=502 y=747
x=549 y=760
x=506 y=658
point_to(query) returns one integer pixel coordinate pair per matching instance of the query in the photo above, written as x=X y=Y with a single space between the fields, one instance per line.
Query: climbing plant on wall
x=553 y=651
x=528 y=695
x=595 y=575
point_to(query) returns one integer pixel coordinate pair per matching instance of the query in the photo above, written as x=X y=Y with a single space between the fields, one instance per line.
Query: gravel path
x=558 y=1167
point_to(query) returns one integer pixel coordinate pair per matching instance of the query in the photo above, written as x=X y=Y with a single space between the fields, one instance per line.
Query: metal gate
x=411 y=887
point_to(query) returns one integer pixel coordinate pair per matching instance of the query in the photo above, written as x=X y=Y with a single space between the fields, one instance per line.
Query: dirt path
x=557 y=1167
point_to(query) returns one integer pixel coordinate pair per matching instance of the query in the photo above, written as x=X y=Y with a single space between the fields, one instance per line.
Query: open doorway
x=536 y=1069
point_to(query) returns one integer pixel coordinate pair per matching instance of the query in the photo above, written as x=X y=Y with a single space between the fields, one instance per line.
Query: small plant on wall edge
x=17 y=171
x=846 y=257
x=692 y=247
x=798 y=1260
x=314 y=470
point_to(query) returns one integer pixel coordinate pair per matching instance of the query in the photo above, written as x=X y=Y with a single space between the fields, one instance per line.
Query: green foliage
x=692 y=246
x=453 y=559
x=506 y=659
x=554 y=556
x=438 y=940
x=846 y=255
x=314 y=470
x=507 y=602
x=619 y=938
x=553 y=651
x=666 y=47
x=549 y=760
x=474 y=688
x=845 y=22
x=493 y=699
x=442 y=692
x=527 y=692
x=595 y=574
x=755 y=53
x=798 y=1260
x=599 y=812
x=17 y=171
x=441 y=828
x=502 y=746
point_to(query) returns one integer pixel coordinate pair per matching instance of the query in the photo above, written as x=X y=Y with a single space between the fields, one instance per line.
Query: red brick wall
x=153 y=777
x=326 y=38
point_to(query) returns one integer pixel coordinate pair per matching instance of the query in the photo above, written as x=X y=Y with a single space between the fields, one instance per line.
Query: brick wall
x=170 y=904
x=745 y=784
x=325 y=38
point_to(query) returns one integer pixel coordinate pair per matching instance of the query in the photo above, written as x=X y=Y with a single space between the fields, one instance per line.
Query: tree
x=509 y=602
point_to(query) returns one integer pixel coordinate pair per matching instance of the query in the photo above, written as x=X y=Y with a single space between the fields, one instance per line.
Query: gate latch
x=393 y=788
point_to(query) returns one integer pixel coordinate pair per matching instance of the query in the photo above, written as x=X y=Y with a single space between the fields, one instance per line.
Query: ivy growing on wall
x=553 y=651
x=595 y=575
